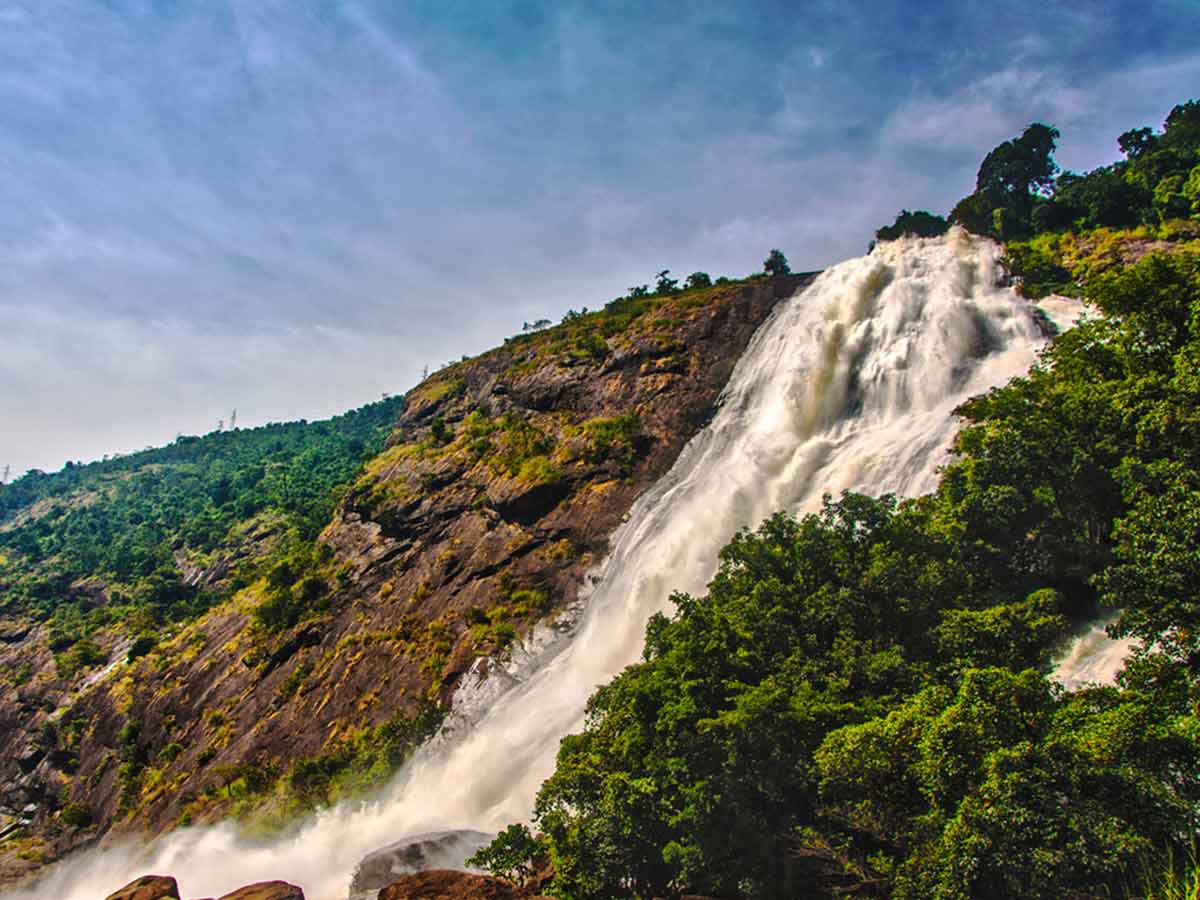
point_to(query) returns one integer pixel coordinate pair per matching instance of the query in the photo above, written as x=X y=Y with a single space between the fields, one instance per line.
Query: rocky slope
x=497 y=490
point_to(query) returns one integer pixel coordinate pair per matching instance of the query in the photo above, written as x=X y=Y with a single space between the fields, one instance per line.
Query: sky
x=291 y=208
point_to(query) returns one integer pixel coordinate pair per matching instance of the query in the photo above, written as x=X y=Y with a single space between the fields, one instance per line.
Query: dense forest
x=113 y=541
x=861 y=703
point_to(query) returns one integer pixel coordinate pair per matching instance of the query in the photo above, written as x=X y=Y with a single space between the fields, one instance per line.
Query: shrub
x=776 y=264
x=76 y=815
x=513 y=855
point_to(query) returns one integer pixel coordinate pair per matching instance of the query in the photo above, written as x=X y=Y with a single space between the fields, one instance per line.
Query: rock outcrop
x=266 y=890
x=148 y=887
x=446 y=884
x=162 y=887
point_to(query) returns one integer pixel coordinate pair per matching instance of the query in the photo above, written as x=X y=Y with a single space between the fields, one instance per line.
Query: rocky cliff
x=496 y=492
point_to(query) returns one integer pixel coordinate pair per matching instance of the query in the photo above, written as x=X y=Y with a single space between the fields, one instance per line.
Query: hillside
x=257 y=668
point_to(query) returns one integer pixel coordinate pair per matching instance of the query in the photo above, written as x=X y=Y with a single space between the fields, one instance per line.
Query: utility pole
x=233 y=419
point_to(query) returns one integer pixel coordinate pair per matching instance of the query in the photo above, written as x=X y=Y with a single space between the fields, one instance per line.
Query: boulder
x=148 y=887
x=413 y=853
x=266 y=890
x=447 y=884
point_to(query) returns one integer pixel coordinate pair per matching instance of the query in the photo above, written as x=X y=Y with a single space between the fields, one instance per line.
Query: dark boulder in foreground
x=148 y=887
x=447 y=884
x=163 y=887
x=266 y=890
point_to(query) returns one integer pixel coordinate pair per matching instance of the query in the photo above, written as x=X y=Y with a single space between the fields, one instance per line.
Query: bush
x=76 y=815
x=513 y=855
x=776 y=264
x=914 y=224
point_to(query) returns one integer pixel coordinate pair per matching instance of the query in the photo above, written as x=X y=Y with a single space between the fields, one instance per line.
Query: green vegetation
x=611 y=438
x=913 y=224
x=76 y=815
x=106 y=542
x=776 y=264
x=267 y=799
x=295 y=585
x=1017 y=195
x=1176 y=878
x=511 y=855
x=861 y=703
x=586 y=335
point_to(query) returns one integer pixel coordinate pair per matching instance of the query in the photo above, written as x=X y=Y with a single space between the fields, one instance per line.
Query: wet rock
x=414 y=853
x=148 y=887
x=266 y=890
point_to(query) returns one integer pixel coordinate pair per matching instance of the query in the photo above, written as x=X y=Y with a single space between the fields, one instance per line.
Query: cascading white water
x=1092 y=657
x=849 y=385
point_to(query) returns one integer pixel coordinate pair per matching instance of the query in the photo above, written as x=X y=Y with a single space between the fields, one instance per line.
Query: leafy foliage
x=776 y=263
x=513 y=855
x=268 y=798
x=916 y=224
x=1017 y=195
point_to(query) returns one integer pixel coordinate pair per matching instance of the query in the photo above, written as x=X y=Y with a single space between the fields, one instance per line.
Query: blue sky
x=293 y=207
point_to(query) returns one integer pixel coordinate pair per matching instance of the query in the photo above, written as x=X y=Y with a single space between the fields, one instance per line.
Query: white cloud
x=998 y=105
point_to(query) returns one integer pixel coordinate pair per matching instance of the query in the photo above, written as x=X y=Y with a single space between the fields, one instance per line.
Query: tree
x=697 y=280
x=997 y=788
x=1017 y=168
x=1181 y=131
x=1156 y=578
x=917 y=224
x=1191 y=190
x=974 y=213
x=512 y=856
x=665 y=285
x=1137 y=141
x=1013 y=173
x=776 y=264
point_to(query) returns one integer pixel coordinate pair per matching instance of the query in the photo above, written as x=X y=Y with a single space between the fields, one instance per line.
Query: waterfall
x=849 y=385
x=1092 y=657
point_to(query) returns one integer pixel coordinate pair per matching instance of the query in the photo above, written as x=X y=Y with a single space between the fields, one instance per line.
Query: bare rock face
x=148 y=887
x=446 y=884
x=266 y=890
x=412 y=854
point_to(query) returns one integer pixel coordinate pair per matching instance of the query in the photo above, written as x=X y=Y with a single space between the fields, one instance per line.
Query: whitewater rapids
x=850 y=385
